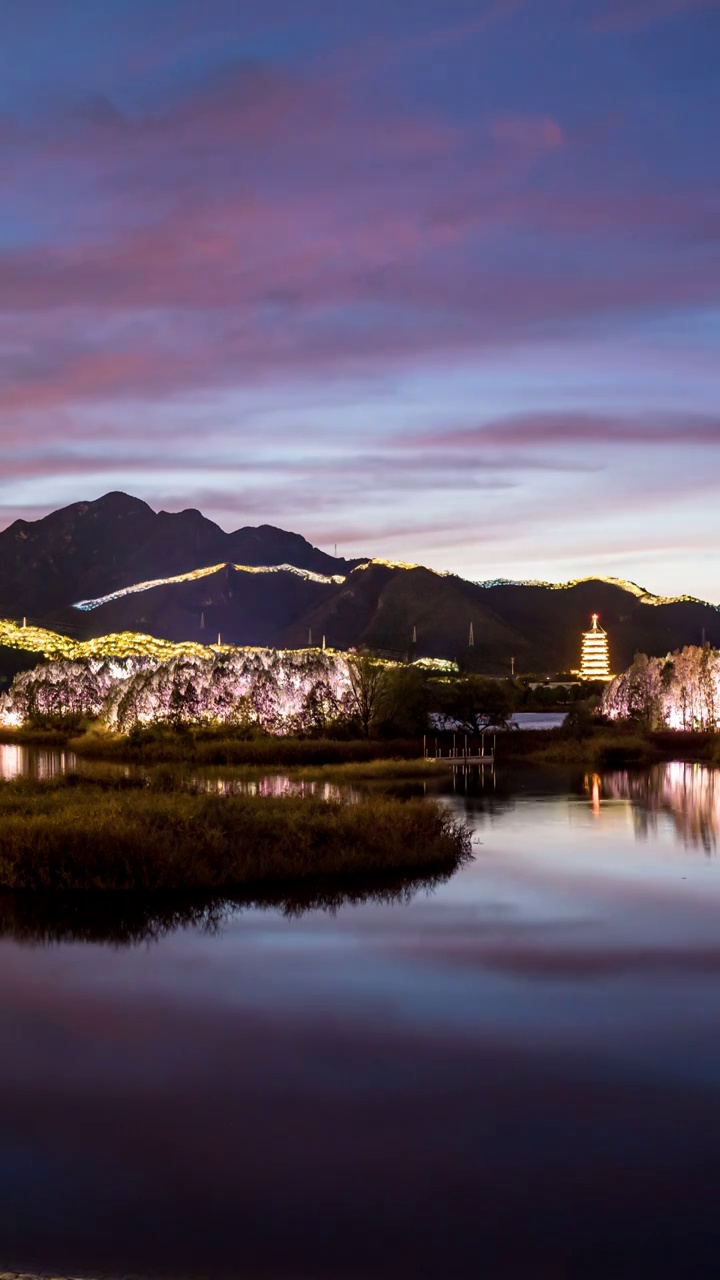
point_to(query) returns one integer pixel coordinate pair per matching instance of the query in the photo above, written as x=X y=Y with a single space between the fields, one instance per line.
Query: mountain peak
x=90 y=550
x=115 y=503
x=118 y=498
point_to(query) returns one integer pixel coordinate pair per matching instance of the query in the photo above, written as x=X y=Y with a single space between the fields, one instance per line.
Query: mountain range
x=116 y=565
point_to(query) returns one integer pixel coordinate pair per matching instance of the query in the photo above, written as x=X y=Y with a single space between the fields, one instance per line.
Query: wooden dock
x=461 y=761
x=460 y=757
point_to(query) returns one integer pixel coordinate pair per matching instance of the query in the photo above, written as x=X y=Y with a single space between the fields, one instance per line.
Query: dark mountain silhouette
x=92 y=550
x=378 y=606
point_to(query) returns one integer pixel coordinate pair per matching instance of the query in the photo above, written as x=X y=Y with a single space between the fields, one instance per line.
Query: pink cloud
x=581 y=429
x=381 y=240
x=181 y=311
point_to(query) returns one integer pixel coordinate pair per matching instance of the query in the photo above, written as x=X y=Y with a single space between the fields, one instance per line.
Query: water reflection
x=44 y=764
x=41 y=763
x=127 y=919
x=687 y=794
x=275 y=784
x=382 y=1082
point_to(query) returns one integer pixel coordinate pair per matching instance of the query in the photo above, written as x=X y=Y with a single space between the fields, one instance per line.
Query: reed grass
x=381 y=772
x=122 y=835
x=206 y=745
x=601 y=751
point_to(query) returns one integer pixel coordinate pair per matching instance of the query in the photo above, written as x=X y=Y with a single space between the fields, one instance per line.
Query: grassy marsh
x=219 y=746
x=120 y=835
x=623 y=744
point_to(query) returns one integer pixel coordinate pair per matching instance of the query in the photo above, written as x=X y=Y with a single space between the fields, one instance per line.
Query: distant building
x=595 y=658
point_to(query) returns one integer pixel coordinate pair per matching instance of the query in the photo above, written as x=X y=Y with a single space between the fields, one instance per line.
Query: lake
x=516 y=1074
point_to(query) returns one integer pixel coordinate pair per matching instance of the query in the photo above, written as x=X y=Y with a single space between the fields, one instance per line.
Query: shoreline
x=620 y=744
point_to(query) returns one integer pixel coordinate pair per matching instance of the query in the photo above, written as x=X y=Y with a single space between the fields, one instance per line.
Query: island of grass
x=100 y=836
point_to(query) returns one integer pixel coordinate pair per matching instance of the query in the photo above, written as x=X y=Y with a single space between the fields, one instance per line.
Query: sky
x=432 y=280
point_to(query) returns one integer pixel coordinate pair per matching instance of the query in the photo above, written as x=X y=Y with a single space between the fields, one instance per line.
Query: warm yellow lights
x=595 y=659
x=393 y=564
x=195 y=574
x=645 y=597
x=125 y=644
x=122 y=644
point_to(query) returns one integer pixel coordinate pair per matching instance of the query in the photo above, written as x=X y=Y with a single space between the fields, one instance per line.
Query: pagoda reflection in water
x=688 y=795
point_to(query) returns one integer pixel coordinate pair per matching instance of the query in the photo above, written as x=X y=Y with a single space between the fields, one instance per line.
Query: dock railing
x=459 y=756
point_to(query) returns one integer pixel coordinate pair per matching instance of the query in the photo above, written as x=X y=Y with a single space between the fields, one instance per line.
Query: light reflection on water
x=685 y=796
x=43 y=764
x=515 y=1073
x=688 y=795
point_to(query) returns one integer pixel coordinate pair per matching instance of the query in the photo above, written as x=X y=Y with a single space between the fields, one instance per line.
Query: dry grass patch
x=103 y=836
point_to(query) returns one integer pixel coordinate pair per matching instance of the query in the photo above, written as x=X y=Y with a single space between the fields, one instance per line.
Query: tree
x=679 y=692
x=579 y=721
x=707 y=679
x=366 y=681
x=320 y=708
x=404 y=701
x=475 y=703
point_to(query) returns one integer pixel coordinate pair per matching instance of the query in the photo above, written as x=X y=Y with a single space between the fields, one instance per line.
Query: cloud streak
x=583 y=430
x=375 y=262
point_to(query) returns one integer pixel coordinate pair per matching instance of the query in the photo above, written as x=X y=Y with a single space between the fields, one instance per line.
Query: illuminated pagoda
x=595 y=660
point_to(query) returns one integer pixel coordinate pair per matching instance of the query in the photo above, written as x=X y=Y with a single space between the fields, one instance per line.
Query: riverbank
x=73 y=834
x=607 y=747
x=366 y=759
x=208 y=745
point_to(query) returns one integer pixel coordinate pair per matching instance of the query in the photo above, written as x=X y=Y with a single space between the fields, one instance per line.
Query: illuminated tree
x=320 y=709
x=682 y=692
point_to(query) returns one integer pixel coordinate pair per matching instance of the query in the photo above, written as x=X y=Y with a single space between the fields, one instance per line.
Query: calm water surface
x=517 y=1074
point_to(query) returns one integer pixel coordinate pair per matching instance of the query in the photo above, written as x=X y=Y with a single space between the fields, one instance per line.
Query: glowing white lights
x=681 y=691
x=279 y=690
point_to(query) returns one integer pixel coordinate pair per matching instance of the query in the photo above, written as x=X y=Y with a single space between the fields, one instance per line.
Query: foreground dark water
x=517 y=1074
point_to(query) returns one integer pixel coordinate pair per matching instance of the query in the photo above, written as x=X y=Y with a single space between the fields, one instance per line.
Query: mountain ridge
x=89 y=549
x=116 y=565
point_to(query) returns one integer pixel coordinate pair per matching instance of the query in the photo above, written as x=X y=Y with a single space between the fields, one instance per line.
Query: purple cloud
x=580 y=429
